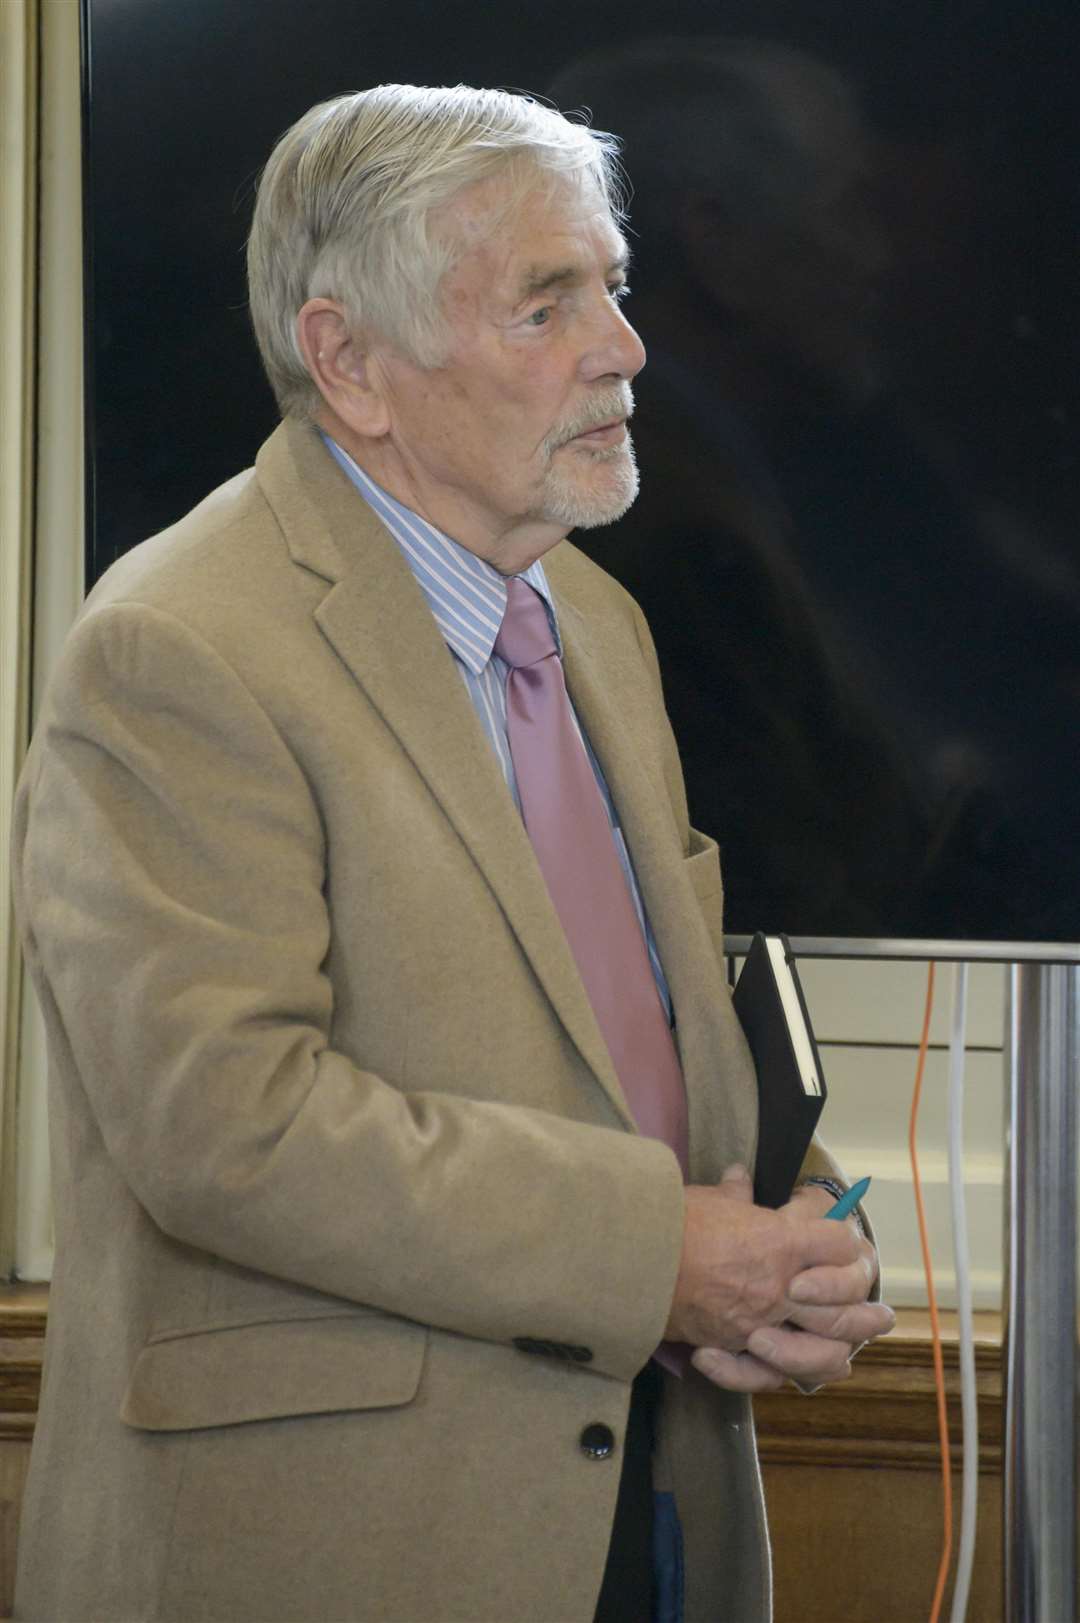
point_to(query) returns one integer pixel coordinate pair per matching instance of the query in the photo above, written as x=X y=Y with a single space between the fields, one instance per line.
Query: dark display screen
x=856 y=235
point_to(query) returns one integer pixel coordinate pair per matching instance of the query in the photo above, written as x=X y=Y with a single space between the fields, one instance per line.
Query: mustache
x=604 y=407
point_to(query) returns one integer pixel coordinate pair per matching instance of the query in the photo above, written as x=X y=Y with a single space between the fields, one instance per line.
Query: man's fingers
x=736 y=1372
x=863 y=1322
x=826 y=1244
x=831 y=1285
x=806 y=1358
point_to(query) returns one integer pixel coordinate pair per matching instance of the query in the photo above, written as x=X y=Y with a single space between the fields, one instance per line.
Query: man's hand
x=766 y=1296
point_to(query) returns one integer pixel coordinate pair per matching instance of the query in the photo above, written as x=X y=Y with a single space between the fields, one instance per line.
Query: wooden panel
x=865 y=1544
x=22 y=1344
x=14 y=1459
x=853 y=1484
x=851 y=1475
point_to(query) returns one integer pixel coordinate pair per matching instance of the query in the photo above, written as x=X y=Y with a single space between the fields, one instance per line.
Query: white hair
x=344 y=204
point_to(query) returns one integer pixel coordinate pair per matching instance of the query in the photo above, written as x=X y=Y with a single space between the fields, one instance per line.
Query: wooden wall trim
x=884 y=1415
x=23 y=1312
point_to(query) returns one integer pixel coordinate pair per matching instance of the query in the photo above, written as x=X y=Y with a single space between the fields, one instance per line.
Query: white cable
x=969 y=1403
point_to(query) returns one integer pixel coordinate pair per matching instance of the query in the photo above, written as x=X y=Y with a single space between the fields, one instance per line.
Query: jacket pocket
x=229 y=1375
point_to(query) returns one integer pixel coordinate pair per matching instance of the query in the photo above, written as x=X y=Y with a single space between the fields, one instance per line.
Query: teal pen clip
x=847 y=1203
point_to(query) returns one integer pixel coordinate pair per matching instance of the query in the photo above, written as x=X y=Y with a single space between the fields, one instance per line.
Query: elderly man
x=398 y=1102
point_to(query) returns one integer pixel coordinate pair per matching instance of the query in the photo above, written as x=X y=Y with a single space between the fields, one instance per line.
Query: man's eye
x=539 y=318
x=619 y=290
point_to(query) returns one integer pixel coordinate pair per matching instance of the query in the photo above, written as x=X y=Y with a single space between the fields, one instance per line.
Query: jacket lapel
x=375 y=618
x=603 y=685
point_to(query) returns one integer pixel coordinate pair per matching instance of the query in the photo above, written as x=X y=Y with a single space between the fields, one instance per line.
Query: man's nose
x=615 y=350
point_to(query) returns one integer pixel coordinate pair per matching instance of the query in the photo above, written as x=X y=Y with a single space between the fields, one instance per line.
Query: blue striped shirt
x=467 y=596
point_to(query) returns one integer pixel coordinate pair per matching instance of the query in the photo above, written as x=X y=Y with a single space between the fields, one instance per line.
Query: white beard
x=585 y=487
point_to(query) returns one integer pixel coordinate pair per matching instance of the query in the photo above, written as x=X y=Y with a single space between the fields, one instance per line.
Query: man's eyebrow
x=544 y=278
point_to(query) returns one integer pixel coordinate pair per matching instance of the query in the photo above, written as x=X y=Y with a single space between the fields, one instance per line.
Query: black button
x=597 y=1441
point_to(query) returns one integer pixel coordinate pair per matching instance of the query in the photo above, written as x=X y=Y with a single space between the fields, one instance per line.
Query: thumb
x=735 y=1184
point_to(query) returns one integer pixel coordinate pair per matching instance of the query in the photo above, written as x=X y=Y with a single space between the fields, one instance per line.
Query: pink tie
x=568 y=825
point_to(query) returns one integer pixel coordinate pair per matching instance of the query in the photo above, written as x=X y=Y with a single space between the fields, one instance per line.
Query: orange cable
x=935 y=1326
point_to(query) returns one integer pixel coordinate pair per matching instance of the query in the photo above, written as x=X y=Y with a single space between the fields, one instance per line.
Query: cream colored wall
x=868 y=1015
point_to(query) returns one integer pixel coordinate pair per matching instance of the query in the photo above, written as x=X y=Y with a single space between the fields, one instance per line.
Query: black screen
x=855 y=239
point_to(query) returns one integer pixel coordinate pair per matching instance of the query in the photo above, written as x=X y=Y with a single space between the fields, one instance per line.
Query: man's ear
x=341 y=368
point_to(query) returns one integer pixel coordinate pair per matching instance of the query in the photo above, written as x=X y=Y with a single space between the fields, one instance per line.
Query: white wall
x=868 y=1017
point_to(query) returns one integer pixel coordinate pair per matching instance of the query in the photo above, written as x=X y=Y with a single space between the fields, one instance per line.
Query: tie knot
x=525 y=634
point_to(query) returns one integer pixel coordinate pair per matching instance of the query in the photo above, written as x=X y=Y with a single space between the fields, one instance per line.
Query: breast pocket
x=702 y=867
x=228 y=1375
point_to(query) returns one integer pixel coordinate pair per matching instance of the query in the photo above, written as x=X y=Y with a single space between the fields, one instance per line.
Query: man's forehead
x=554 y=230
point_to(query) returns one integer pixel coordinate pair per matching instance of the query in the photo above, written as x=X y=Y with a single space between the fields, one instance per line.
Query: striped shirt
x=467 y=597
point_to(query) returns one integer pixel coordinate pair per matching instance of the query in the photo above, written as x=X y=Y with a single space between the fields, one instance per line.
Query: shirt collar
x=466 y=594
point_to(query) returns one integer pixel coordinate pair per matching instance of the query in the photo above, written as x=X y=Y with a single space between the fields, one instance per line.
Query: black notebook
x=791 y=1087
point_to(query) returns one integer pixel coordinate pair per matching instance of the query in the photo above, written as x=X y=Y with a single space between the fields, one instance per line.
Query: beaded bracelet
x=837 y=1191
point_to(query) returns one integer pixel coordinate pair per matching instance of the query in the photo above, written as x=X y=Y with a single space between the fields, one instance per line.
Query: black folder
x=791 y=1085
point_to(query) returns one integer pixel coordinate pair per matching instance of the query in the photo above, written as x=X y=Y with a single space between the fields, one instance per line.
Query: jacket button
x=553 y=1349
x=597 y=1441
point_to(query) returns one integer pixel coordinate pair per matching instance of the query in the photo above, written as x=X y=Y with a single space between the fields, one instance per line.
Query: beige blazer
x=333 y=1126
